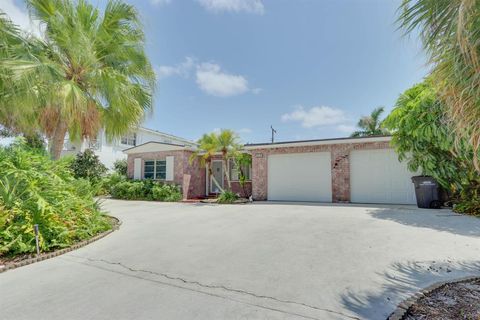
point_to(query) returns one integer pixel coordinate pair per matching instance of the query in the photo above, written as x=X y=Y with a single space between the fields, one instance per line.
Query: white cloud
x=249 y=6
x=183 y=69
x=20 y=17
x=316 y=116
x=209 y=77
x=212 y=80
x=160 y=2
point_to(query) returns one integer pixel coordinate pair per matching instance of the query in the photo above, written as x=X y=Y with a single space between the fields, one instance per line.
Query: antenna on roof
x=273 y=133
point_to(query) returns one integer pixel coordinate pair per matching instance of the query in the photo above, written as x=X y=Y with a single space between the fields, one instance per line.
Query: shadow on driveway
x=440 y=220
x=401 y=281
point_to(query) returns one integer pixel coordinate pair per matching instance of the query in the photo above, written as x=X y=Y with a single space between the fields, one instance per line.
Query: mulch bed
x=8 y=263
x=460 y=300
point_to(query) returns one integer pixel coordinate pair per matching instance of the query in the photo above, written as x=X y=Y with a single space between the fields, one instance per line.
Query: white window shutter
x=137 y=168
x=169 y=168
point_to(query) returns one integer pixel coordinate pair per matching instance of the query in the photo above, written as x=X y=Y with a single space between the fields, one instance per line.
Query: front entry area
x=300 y=177
x=217 y=170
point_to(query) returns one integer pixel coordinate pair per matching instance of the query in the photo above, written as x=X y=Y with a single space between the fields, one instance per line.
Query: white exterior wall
x=109 y=152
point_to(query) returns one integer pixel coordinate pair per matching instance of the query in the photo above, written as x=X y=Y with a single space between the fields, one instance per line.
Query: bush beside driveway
x=260 y=261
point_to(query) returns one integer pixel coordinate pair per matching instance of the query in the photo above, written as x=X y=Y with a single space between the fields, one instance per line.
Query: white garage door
x=376 y=176
x=300 y=177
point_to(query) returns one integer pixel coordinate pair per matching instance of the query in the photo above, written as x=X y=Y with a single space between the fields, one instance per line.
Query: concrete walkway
x=260 y=261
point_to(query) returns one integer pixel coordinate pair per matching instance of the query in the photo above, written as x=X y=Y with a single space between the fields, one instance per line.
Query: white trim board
x=317 y=142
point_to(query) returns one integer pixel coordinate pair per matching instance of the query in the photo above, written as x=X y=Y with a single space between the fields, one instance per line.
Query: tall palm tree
x=450 y=30
x=89 y=72
x=370 y=125
x=16 y=99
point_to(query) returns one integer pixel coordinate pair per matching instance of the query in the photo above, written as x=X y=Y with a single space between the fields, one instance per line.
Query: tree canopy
x=90 y=71
x=423 y=136
x=450 y=30
x=370 y=125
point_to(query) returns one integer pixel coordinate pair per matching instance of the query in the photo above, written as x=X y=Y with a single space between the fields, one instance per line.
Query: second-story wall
x=111 y=151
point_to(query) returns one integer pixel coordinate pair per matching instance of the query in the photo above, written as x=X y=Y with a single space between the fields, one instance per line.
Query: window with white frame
x=129 y=139
x=235 y=172
x=155 y=169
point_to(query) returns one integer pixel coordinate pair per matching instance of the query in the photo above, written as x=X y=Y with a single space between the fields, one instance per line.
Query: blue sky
x=310 y=68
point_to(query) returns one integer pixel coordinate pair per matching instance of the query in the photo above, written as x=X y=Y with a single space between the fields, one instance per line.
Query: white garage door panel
x=300 y=177
x=376 y=176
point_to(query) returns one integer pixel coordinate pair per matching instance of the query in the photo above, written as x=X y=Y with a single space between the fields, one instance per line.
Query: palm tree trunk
x=57 y=140
x=225 y=170
x=227 y=176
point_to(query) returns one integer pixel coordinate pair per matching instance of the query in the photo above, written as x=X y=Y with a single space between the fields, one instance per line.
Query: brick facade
x=340 y=165
x=189 y=175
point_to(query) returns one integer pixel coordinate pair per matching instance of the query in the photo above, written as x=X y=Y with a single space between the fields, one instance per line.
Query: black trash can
x=427 y=192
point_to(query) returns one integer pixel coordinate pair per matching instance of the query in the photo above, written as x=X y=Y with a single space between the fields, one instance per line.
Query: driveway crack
x=213 y=286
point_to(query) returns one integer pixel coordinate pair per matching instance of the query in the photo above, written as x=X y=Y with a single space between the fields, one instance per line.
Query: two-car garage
x=364 y=170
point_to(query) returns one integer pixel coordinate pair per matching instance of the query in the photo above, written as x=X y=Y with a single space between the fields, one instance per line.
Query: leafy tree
x=87 y=165
x=450 y=30
x=422 y=136
x=121 y=167
x=370 y=125
x=90 y=71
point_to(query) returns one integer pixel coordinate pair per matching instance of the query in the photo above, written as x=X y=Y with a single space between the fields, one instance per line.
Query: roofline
x=315 y=142
x=182 y=146
x=166 y=134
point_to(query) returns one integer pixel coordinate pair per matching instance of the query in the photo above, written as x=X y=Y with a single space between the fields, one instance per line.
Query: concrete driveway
x=260 y=261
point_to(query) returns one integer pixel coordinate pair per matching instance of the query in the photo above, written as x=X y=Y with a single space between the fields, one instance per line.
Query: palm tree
x=207 y=149
x=89 y=72
x=226 y=143
x=370 y=125
x=16 y=120
x=450 y=31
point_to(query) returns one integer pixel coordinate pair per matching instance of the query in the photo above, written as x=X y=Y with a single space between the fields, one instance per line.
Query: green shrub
x=145 y=190
x=227 y=197
x=166 y=192
x=37 y=190
x=109 y=181
x=424 y=138
x=120 y=167
x=86 y=165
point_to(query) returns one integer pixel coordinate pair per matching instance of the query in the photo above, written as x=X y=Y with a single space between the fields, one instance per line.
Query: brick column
x=259 y=174
x=341 y=173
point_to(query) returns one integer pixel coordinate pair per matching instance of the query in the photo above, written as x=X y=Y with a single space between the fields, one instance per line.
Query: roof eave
x=316 y=142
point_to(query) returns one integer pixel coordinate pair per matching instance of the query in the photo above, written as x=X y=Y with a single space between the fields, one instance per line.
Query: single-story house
x=357 y=170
